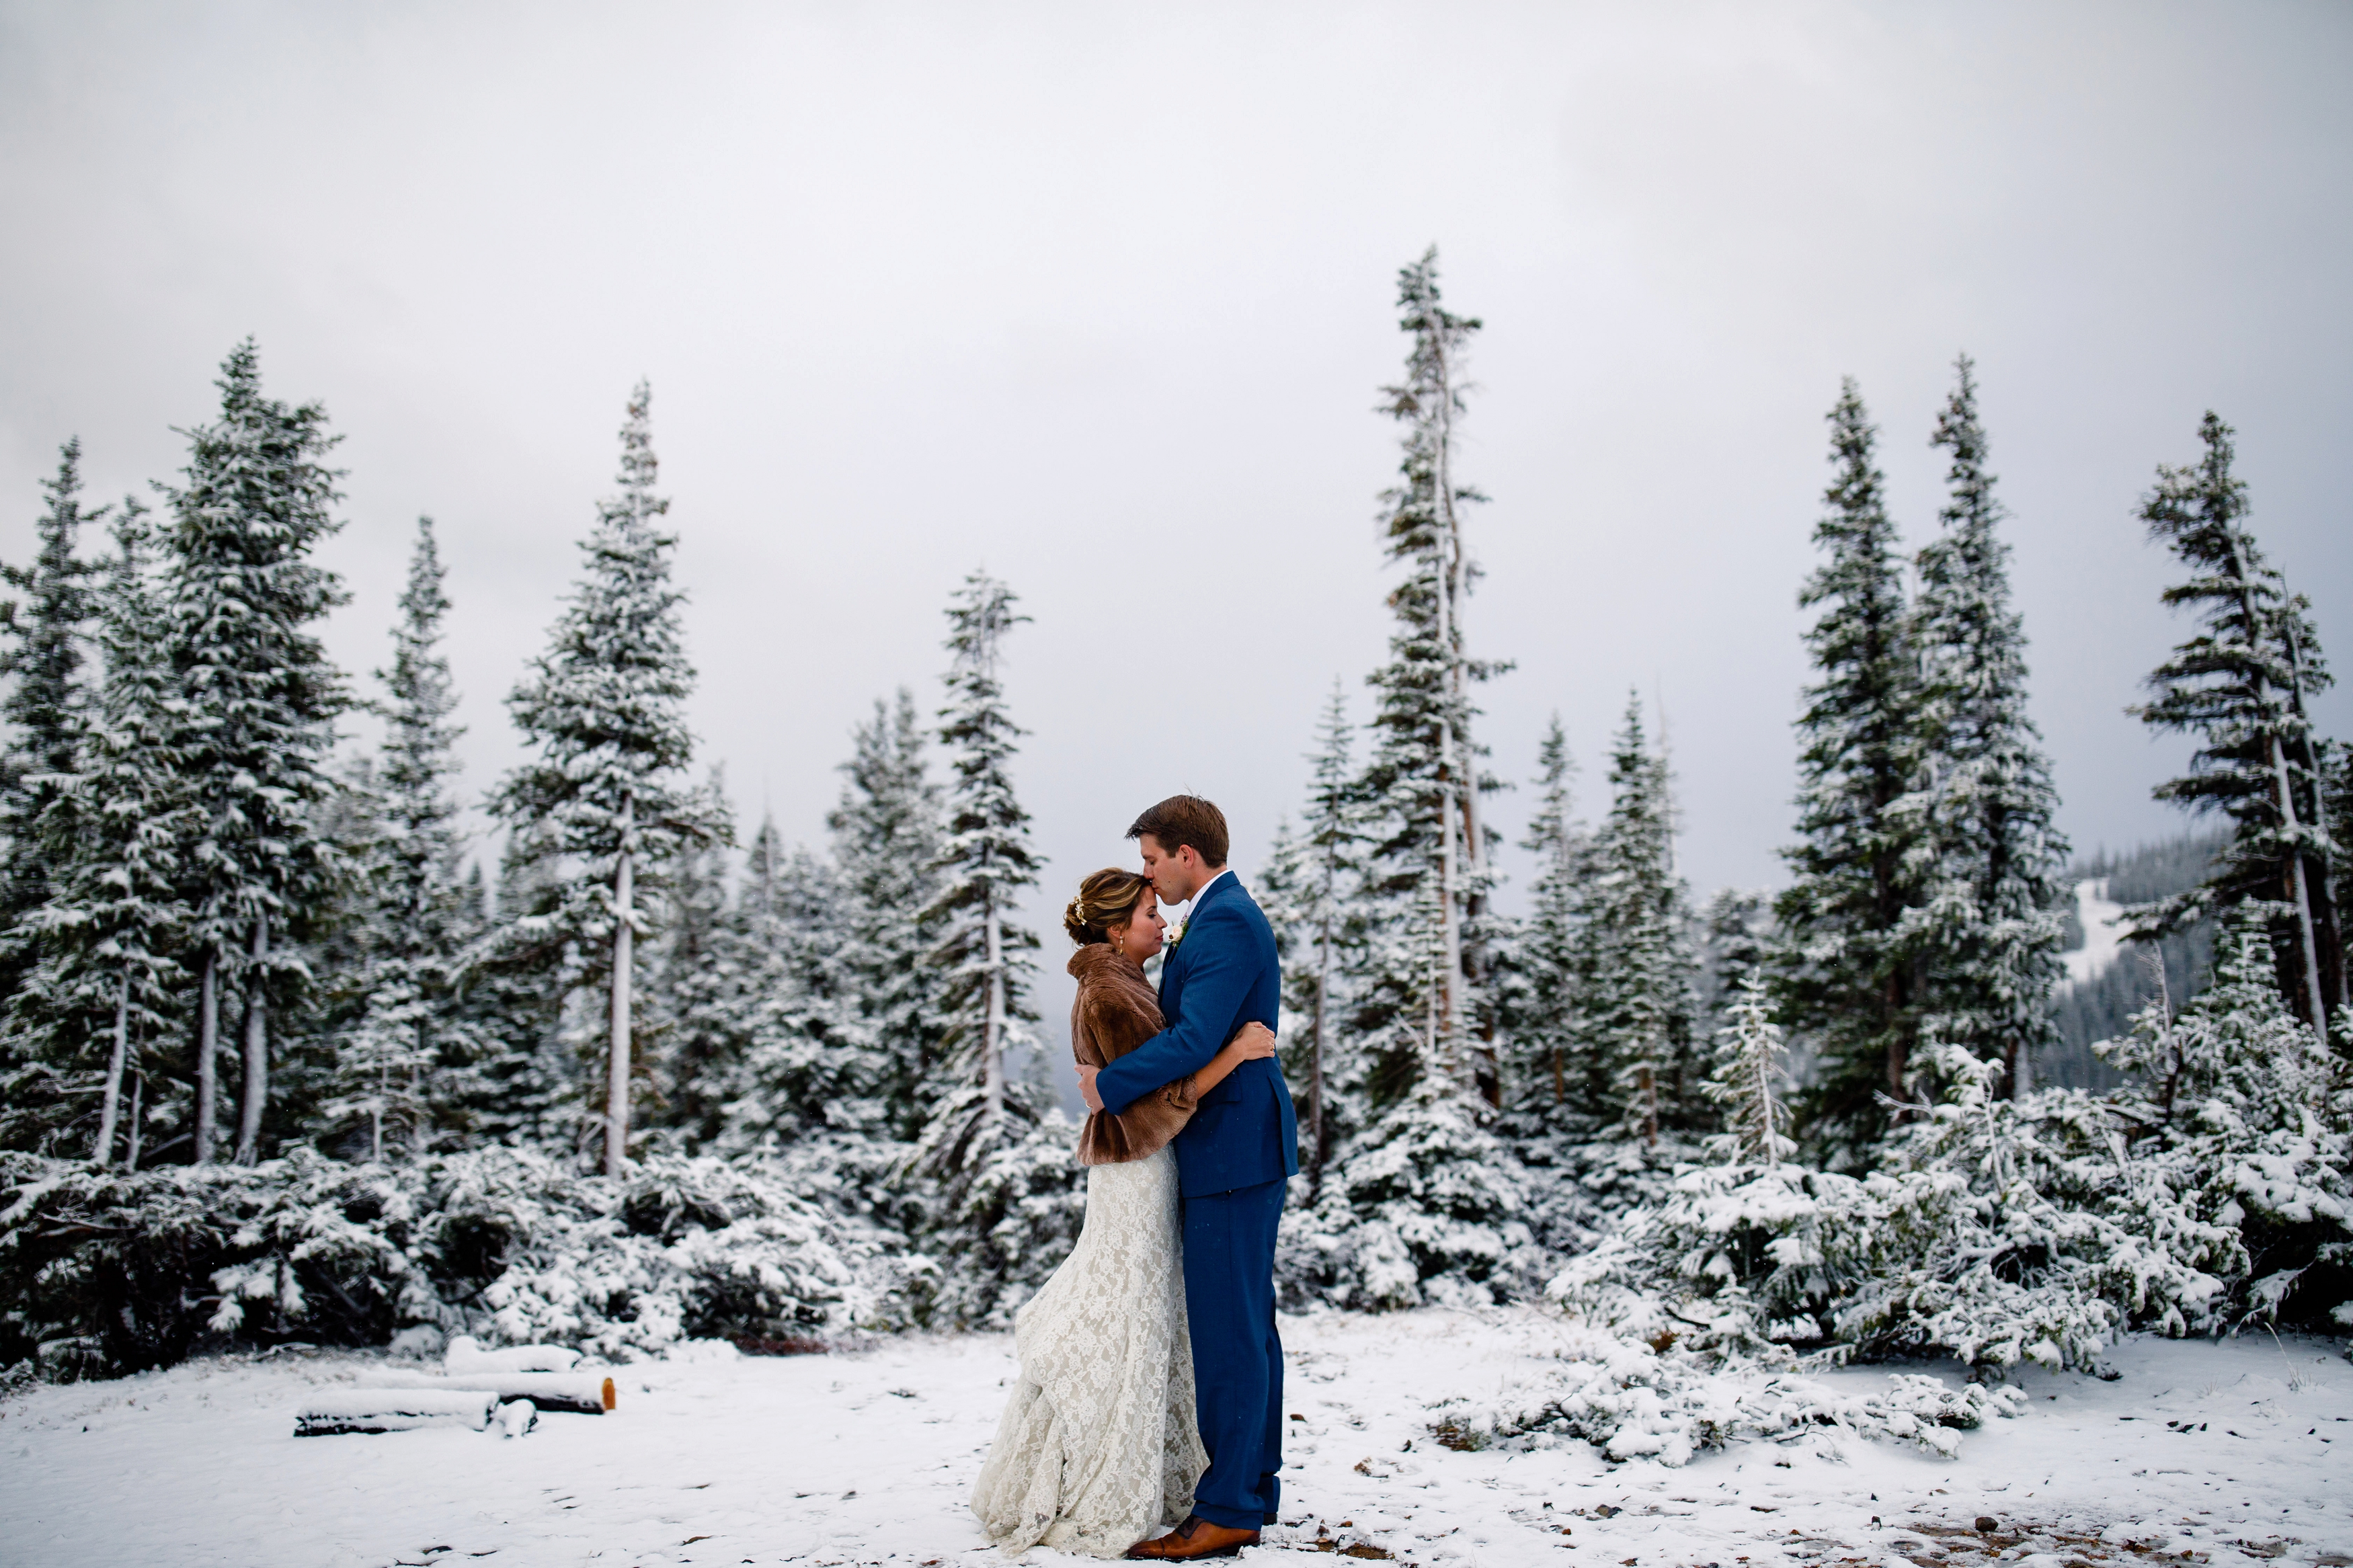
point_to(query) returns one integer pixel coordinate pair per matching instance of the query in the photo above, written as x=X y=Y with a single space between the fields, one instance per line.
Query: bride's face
x=1139 y=939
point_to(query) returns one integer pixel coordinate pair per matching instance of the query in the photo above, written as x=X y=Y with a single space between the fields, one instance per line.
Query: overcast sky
x=1099 y=297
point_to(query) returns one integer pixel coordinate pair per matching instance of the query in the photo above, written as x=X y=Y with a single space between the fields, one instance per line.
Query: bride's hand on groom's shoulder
x=1255 y=1042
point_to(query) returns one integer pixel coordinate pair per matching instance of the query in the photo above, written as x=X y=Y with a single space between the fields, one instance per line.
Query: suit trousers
x=1236 y=1356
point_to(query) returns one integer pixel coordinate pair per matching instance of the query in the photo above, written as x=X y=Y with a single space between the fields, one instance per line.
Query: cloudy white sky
x=1099 y=296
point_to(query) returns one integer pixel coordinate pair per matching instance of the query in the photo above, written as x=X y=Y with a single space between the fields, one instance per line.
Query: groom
x=1232 y=1161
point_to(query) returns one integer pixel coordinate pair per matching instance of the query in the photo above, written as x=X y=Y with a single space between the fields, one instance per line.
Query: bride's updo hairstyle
x=1106 y=900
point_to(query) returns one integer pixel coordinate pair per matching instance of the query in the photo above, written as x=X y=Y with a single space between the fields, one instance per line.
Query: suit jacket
x=1222 y=975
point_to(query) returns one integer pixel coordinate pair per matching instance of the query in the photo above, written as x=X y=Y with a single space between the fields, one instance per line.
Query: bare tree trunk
x=112 y=1102
x=2330 y=923
x=616 y=1069
x=207 y=1055
x=992 y=1028
x=1315 y=1054
x=138 y=1083
x=255 y=1097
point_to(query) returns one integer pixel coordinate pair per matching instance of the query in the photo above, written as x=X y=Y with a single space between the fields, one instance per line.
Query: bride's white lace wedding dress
x=1098 y=1446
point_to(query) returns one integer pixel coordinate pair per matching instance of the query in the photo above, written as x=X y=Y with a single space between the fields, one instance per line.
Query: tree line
x=1483 y=1095
x=183 y=851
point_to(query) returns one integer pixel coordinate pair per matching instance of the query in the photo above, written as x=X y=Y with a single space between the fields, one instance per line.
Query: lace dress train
x=1098 y=1444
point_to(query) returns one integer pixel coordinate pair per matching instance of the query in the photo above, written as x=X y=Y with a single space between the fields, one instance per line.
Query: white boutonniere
x=1178 y=934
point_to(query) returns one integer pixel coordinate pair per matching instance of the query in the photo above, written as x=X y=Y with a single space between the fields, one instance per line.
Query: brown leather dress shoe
x=1196 y=1538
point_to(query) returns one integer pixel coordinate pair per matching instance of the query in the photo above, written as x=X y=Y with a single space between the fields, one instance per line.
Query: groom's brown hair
x=1183 y=819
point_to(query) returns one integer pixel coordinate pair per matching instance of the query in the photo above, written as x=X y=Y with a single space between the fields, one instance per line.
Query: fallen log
x=328 y=1411
x=577 y=1392
x=465 y=1354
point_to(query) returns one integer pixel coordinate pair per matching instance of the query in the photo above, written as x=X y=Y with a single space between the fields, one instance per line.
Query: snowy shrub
x=524 y=1249
x=103 y=1272
x=1999 y=1231
x=1003 y=1217
x=1637 y=1400
x=1426 y=1208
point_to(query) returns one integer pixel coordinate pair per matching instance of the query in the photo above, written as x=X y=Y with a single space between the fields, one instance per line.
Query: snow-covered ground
x=2230 y=1452
x=2102 y=921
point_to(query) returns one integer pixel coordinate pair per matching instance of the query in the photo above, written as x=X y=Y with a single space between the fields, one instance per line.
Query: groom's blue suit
x=1232 y=1162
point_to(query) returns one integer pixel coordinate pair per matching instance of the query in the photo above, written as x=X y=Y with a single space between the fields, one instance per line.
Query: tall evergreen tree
x=412 y=1037
x=1423 y=784
x=985 y=857
x=257 y=698
x=1847 y=983
x=1990 y=929
x=1426 y=1204
x=702 y=992
x=42 y=712
x=114 y=923
x=1312 y=880
x=998 y=1181
x=1550 y=981
x=886 y=843
x=601 y=804
x=1639 y=1005
x=2239 y=687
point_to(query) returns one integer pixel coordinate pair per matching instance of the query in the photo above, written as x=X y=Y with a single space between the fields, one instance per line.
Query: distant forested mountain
x=2101 y=1006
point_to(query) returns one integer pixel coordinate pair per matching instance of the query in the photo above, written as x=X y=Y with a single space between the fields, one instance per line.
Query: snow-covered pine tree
x=1551 y=1079
x=2233 y=1129
x=1427 y=1202
x=398 y=1062
x=1847 y=983
x=785 y=1018
x=700 y=995
x=601 y=804
x=530 y=1086
x=257 y=701
x=886 y=845
x=807 y=1091
x=1736 y=942
x=107 y=987
x=1746 y=1080
x=2239 y=686
x=1639 y=1006
x=1423 y=783
x=2337 y=813
x=42 y=710
x=985 y=856
x=1312 y=880
x=1988 y=930
x=1007 y=1203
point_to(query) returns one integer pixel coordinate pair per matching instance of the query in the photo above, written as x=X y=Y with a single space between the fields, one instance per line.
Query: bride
x=1098 y=1444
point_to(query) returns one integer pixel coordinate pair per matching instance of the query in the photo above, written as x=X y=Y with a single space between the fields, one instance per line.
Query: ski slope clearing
x=2231 y=1453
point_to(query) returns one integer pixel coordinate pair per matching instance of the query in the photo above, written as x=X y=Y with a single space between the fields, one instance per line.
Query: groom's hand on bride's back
x=1087 y=1087
x=1255 y=1041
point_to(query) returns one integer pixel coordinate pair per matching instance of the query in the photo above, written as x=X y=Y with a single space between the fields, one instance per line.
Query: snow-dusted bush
x=1425 y=1207
x=523 y=1249
x=1001 y=1220
x=103 y=1272
x=2002 y=1231
x=1637 y=1400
